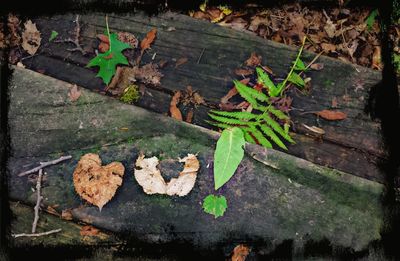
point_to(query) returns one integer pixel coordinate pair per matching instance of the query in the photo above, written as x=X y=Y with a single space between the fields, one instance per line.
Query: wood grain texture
x=294 y=200
x=353 y=145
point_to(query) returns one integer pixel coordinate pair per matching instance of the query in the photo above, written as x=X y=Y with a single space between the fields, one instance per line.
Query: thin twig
x=75 y=41
x=201 y=55
x=38 y=200
x=37 y=234
x=44 y=164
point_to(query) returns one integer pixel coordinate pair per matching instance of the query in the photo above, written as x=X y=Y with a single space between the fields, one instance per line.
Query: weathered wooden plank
x=69 y=234
x=297 y=201
x=347 y=145
x=307 y=147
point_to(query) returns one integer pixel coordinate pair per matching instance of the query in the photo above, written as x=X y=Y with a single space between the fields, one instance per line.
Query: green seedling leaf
x=371 y=18
x=299 y=66
x=53 y=35
x=215 y=205
x=109 y=60
x=263 y=78
x=228 y=154
x=296 y=79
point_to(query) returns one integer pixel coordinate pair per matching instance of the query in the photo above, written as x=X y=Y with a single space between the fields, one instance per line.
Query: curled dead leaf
x=148 y=40
x=95 y=183
x=74 y=93
x=331 y=115
x=31 y=38
x=254 y=60
x=327 y=47
x=89 y=231
x=376 y=58
x=147 y=74
x=317 y=66
x=181 y=61
x=243 y=72
x=128 y=38
x=189 y=116
x=240 y=252
x=173 y=108
x=66 y=214
x=314 y=129
x=149 y=176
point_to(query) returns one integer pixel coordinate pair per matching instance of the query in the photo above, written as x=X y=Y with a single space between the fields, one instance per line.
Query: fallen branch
x=38 y=200
x=36 y=234
x=75 y=41
x=44 y=164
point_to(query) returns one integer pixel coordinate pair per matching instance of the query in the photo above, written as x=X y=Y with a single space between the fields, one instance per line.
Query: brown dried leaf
x=189 y=116
x=240 y=252
x=149 y=176
x=103 y=47
x=95 y=183
x=129 y=39
x=254 y=60
x=148 y=40
x=173 y=109
x=317 y=66
x=147 y=74
x=31 y=38
x=51 y=210
x=256 y=21
x=89 y=231
x=244 y=72
x=314 y=129
x=327 y=47
x=334 y=103
x=376 y=58
x=74 y=93
x=66 y=214
x=13 y=38
x=181 y=61
x=332 y=115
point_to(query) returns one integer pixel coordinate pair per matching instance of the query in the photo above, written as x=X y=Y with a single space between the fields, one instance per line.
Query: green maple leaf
x=215 y=205
x=109 y=60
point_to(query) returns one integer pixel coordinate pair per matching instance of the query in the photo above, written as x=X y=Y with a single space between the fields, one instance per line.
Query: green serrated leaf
x=296 y=79
x=109 y=60
x=215 y=205
x=219 y=125
x=53 y=35
x=248 y=137
x=227 y=156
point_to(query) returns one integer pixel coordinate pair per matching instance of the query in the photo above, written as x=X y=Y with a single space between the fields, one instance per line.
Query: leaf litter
x=148 y=175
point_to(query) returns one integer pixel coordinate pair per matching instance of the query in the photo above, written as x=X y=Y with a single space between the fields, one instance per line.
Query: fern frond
x=236 y=114
x=270 y=133
x=278 y=113
x=277 y=128
x=247 y=92
x=248 y=137
x=260 y=137
x=263 y=78
x=227 y=120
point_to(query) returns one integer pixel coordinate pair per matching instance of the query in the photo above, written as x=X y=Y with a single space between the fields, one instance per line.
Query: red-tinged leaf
x=148 y=40
x=331 y=115
x=173 y=109
x=240 y=252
